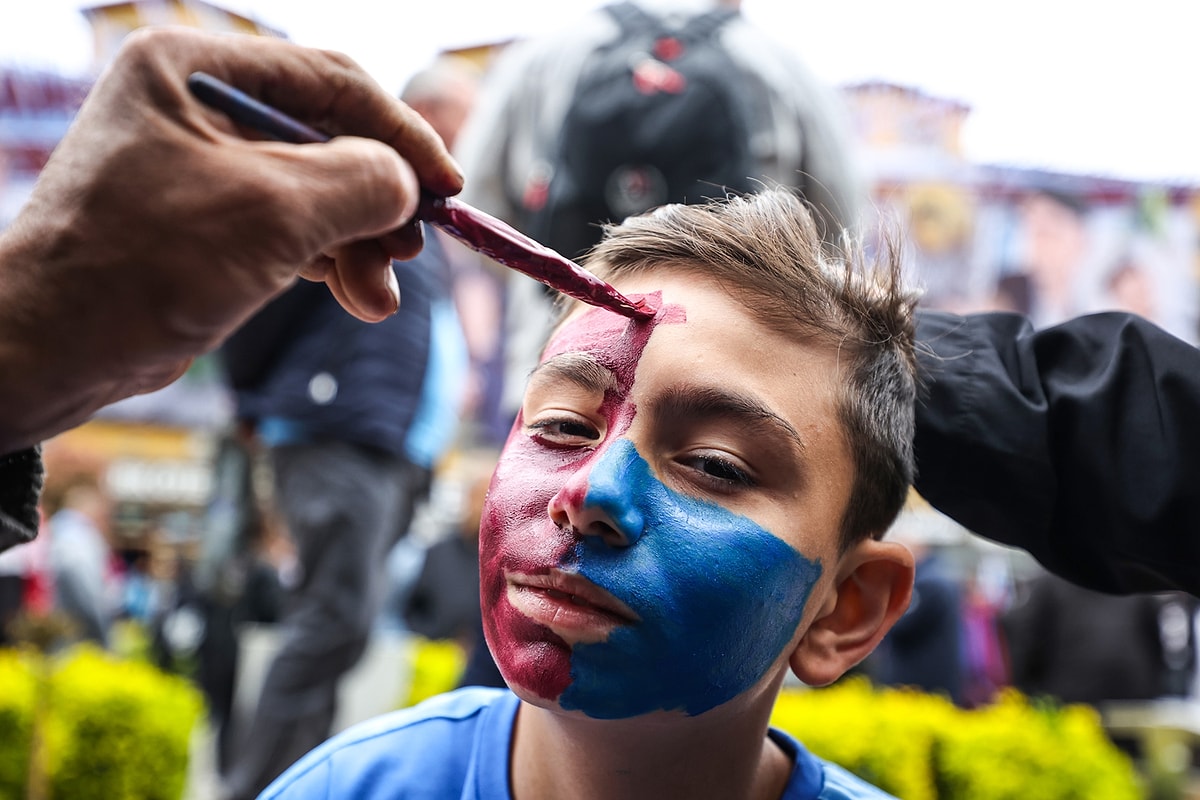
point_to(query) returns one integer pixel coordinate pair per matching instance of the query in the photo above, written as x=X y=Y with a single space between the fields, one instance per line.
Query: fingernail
x=393 y=287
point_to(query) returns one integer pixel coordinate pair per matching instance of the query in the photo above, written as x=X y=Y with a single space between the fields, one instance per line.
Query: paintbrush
x=477 y=230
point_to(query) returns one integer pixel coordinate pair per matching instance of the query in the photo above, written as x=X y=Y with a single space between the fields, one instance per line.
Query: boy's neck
x=566 y=757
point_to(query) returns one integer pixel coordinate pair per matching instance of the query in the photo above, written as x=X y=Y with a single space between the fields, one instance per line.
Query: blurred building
x=112 y=22
x=36 y=107
x=907 y=135
x=1048 y=244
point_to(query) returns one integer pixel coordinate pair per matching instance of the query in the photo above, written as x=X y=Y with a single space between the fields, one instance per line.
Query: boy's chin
x=531 y=698
x=652 y=718
x=614 y=714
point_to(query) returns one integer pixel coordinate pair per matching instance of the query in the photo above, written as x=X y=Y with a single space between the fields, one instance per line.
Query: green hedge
x=112 y=728
x=434 y=666
x=921 y=747
x=18 y=690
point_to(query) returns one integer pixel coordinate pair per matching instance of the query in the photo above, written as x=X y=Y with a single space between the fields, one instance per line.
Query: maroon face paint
x=498 y=241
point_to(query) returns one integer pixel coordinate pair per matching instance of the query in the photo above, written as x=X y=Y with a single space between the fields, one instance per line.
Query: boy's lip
x=565 y=600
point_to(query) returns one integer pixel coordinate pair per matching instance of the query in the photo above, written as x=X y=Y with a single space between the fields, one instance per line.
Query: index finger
x=323 y=88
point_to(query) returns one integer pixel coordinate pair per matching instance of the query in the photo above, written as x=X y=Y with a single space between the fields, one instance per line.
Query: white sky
x=1063 y=84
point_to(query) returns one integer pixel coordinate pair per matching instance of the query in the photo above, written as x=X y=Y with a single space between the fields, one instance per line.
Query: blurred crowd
x=982 y=620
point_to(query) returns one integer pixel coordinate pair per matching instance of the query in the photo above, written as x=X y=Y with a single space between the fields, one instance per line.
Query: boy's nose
x=599 y=500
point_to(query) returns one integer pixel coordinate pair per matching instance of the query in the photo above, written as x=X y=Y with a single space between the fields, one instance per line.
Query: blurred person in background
x=795 y=135
x=12 y=590
x=444 y=601
x=354 y=416
x=1177 y=623
x=1080 y=646
x=1047 y=283
x=236 y=581
x=86 y=589
x=26 y=588
x=142 y=594
x=987 y=591
x=444 y=94
x=1131 y=288
x=1073 y=645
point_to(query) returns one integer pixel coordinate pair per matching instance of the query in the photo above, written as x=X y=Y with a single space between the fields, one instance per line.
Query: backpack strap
x=632 y=18
x=704 y=26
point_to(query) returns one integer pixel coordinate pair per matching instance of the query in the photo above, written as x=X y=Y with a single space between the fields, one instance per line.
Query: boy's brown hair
x=766 y=250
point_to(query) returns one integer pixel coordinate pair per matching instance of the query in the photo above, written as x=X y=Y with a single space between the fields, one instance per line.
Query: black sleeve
x=21 y=478
x=1079 y=443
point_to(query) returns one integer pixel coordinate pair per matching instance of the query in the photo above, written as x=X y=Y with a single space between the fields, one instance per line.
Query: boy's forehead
x=718 y=334
x=585 y=330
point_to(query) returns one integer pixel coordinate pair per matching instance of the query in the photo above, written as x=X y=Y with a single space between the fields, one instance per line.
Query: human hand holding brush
x=159 y=225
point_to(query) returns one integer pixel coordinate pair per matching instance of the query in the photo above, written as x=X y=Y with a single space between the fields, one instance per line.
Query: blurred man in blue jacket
x=354 y=415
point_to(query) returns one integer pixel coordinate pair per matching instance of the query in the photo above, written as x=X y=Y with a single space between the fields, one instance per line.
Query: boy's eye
x=564 y=431
x=718 y=471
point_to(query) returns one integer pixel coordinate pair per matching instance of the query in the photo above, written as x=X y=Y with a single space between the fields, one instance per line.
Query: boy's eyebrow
x=581 y=369
x=693 y=402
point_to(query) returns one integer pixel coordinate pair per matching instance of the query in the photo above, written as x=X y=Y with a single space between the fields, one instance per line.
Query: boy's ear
x=875 y=586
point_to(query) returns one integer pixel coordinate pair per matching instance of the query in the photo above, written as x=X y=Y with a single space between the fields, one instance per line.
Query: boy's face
x=665 y=509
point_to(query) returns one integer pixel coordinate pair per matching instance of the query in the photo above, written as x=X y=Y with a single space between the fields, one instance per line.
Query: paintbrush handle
x=246 y=110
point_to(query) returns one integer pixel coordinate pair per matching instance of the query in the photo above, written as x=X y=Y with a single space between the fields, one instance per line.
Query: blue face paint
x=718 y=595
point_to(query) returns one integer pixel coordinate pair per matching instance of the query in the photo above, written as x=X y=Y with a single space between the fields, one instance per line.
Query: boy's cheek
x=515 y=525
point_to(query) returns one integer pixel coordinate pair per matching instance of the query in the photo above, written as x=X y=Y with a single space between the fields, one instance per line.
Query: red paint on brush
x=498 y=241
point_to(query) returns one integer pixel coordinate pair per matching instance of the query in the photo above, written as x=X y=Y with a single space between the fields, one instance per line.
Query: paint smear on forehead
x=593 y=332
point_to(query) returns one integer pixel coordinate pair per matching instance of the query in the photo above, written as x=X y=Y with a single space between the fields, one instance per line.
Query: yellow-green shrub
x=1015 y=748
x=17 y=696
x=435 y=665
x=920 y=747
x=118 y=729
x=886 y=737
x=110 y=728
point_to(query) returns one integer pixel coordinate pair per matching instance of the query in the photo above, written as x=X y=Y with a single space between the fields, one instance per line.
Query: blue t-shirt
x=456 y=745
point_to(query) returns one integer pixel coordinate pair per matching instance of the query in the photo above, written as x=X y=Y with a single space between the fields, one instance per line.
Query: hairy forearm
x=52 y=365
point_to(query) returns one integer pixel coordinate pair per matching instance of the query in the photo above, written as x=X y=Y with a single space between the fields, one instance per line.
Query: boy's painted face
x=668 y=498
